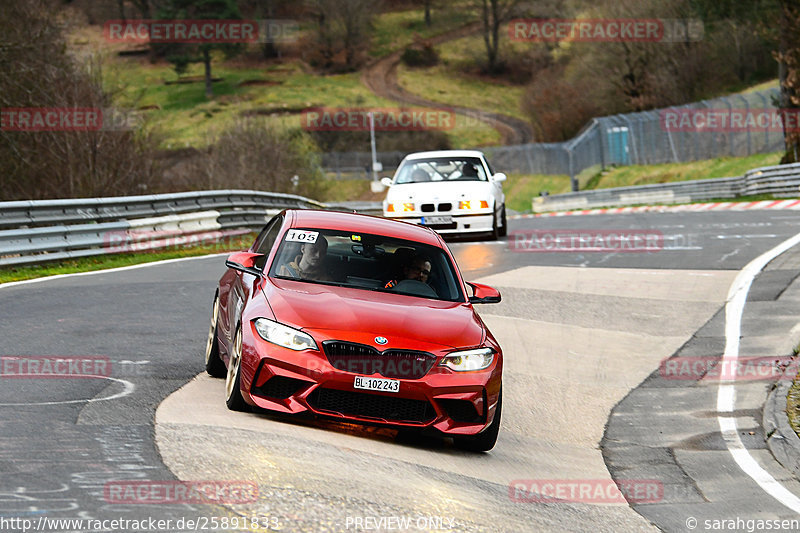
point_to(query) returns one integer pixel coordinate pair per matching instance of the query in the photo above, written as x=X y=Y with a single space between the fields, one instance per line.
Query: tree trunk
x=495 y=34
x=486 y=33
x=427 y=12
x=207 y=64
x=269 y=50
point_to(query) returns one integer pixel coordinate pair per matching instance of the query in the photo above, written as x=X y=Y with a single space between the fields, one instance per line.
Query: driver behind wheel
x=419 y=269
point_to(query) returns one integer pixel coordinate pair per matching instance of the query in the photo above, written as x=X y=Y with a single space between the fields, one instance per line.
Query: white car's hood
x=440 y=191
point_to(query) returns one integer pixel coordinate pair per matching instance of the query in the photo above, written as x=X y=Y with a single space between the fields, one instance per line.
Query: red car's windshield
x=365 y=261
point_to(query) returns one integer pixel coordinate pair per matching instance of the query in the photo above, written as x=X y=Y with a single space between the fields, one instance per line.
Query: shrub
x=420 y=55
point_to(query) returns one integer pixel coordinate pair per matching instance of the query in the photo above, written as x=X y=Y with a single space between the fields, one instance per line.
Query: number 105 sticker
x=301 y=235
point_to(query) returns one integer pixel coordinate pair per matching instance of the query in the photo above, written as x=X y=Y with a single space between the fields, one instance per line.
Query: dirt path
x=381 y=78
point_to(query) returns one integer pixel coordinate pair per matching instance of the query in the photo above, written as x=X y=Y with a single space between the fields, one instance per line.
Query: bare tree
x=36 y=72
x=493 y=14
x=342 y=27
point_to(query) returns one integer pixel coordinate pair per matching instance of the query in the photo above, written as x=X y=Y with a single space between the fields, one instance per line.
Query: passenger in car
x=420 y=176
x=418 y=268
x=310 y=264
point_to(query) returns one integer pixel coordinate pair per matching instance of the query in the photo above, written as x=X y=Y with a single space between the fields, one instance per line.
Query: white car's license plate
x=444 y=219
x=385 y=385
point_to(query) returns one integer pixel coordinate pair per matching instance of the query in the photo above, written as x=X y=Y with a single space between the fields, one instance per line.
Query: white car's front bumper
x=466 y=223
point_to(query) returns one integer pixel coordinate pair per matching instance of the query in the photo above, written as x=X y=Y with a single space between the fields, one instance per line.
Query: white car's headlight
x=285 y=336
x=468 y=360
x=399 y=207
x=473 y=204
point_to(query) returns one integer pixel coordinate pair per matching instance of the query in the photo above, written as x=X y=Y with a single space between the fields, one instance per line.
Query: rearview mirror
x=386 y=182
x=499 y=177
x=483 y=294
x=244 y=262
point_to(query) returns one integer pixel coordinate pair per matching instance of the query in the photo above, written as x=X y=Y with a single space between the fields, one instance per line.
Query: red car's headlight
x=285 y=336
x=469 y=360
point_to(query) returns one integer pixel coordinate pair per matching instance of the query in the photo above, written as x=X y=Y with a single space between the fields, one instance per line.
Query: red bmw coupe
x=358 y=318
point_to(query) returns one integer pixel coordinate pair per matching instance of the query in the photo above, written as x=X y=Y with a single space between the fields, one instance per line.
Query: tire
x=504 y=227
x=493 y=236
x=214 y=365
x=233 y=378
x=484 y=441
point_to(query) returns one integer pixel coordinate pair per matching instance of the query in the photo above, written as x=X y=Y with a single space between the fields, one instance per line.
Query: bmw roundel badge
x=381 y=340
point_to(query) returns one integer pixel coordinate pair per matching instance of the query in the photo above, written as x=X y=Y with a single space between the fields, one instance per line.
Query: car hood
x=361 y=315
x=440 y=191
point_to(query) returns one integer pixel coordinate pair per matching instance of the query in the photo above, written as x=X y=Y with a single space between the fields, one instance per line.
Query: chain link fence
x=738 y=125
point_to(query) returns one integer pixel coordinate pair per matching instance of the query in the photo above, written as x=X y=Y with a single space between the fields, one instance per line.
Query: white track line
x=128 y=389
x=726 y=395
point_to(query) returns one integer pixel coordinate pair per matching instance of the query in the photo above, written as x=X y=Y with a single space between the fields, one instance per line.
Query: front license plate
x=437 y=220
x=385 y=385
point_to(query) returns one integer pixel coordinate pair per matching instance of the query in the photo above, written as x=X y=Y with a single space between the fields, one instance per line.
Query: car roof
x=358 y=223
x=445 y=153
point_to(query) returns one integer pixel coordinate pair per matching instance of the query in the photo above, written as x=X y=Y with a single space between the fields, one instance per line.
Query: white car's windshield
x=368 y=262
x=441 y=169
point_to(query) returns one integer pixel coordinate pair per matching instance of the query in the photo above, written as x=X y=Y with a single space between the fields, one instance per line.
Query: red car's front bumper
x=287 y=381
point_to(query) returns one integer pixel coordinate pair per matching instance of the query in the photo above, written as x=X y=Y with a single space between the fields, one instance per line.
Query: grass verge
x=670 y=172
x=104 y=262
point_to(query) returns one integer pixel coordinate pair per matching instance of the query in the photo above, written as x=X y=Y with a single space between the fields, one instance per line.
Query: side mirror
x=387 y=182
x=244 y=262
x=499 y=177
x=483 y=294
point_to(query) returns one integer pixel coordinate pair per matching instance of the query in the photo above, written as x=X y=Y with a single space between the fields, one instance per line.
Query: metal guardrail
x=46 y=230
x=782 y=181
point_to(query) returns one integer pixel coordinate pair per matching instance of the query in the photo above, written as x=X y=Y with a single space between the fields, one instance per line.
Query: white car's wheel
x=493 y=236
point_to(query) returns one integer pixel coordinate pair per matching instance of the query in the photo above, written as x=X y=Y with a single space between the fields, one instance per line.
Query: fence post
x=732 y=151
x=632 y=136
x=747 y=112
x=572 y=180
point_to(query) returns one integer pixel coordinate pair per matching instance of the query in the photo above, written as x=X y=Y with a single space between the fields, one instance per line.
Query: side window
x=267 y=238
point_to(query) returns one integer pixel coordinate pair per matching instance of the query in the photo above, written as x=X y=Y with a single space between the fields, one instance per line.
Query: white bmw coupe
x=450 y=191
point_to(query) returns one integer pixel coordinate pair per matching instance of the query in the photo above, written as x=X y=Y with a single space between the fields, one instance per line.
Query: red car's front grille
x=366 y=360
x=365 y=405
